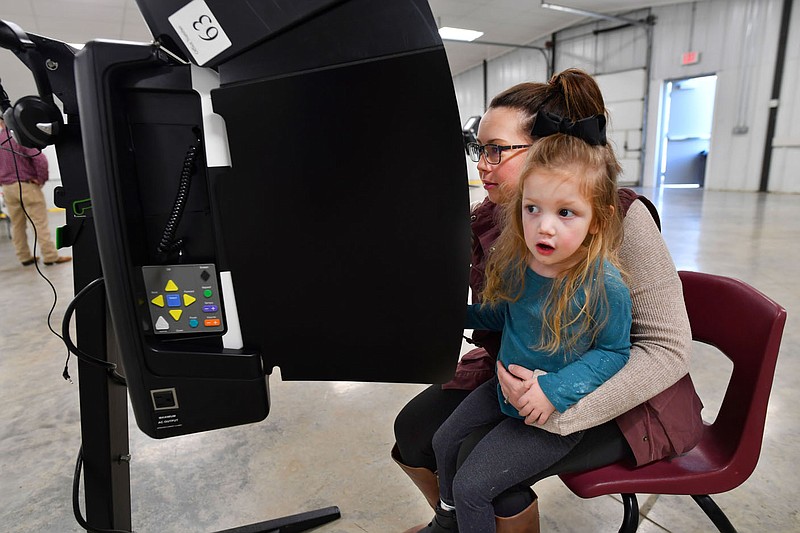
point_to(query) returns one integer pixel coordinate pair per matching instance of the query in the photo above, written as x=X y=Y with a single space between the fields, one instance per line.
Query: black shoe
x=29 y=262
x=443 y=522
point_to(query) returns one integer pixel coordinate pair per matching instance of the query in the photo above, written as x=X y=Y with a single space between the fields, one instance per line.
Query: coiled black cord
x=168 y=243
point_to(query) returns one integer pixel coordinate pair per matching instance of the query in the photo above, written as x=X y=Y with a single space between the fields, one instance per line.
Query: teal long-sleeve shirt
x=570 y=376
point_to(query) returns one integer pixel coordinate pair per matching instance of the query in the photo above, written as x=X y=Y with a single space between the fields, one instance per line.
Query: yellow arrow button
x=176 y=314
x=171 y=287
x=188 y=300
x=158 y=300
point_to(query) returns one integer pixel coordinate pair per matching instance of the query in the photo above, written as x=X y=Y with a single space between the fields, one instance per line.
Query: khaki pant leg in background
x=36 y=207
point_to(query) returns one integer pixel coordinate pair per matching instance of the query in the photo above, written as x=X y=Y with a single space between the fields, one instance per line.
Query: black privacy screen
x=345 y=219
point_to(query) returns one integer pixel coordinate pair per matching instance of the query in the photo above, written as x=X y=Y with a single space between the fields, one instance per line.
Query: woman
x=648 y=410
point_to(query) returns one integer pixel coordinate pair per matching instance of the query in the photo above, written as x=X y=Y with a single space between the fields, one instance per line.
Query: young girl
x=555 y=292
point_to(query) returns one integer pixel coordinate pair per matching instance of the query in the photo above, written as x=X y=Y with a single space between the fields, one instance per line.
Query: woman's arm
x=660 y=334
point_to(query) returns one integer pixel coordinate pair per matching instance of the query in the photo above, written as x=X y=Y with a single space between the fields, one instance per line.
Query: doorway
x=687 y=113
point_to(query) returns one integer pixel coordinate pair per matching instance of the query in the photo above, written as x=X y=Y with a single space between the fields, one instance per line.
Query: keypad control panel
x=183 y=299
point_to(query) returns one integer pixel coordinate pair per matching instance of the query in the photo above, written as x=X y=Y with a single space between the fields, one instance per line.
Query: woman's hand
x=514 y=385
x=521 y=389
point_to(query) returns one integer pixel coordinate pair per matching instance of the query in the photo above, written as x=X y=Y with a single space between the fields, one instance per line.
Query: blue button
x=210 y=308
x=173 y=300
x=193 y=323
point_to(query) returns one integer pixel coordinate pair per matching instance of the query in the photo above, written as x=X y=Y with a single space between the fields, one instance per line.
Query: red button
x=211 y=322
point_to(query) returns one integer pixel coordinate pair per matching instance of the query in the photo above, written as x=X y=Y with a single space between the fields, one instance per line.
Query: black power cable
x=76 y=507
x=110 y=367
x=112 y=373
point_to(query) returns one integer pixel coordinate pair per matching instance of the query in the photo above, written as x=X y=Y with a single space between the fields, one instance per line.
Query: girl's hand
x=521 y=389
x=536 y=407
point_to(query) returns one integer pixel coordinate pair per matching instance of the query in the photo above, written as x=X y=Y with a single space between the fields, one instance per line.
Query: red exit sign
x=690 y=58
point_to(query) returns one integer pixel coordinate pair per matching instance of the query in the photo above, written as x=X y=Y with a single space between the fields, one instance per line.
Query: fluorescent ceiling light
x=459 y=34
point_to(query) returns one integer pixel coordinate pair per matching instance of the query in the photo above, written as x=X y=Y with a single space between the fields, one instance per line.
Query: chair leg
x=713 y=511
x=630 y=518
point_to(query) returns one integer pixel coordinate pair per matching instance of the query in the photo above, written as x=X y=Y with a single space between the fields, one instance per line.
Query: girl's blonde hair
x=564 y=322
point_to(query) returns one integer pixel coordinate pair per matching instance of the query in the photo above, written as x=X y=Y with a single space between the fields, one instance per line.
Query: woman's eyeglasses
x=491 y=152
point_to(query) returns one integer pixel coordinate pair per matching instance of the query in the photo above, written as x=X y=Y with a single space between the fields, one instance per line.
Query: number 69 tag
x=200 y=31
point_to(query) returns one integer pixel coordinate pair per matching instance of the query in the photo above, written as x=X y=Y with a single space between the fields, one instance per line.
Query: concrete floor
x=328 y=444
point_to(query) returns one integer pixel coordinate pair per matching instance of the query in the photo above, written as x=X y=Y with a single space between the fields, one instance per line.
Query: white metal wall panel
x=630 y=171
x=623 y=86
x=605 y=52
x=626 y=115
x=735 y=160
x=515 y=67
x=469 y=93
x=784 y=176
x=574 y=51
x=623 y=49
x=624 y=93
x=508 y=70
x=785 y=168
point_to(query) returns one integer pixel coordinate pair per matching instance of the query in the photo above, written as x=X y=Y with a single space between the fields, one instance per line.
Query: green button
x=207 y=293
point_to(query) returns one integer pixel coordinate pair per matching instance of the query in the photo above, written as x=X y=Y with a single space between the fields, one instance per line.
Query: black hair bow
x=592 y=130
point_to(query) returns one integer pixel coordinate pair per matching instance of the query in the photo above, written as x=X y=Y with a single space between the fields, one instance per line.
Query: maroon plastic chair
x=746 y=326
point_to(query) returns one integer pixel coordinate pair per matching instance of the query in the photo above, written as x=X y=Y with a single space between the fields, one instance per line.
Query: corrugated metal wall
x=603 y=47
x=785 y=169
x=737 y=41
x=501 y=73
x=624 y=97
x=515 y=67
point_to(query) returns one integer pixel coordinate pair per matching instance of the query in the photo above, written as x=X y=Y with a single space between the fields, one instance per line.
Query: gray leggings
x=510 y=453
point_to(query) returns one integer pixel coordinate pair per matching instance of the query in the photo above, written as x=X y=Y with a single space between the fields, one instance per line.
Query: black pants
x=421 y=417
x=507 y=455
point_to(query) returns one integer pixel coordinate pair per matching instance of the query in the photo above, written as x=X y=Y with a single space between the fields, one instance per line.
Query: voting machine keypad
x=183 y=299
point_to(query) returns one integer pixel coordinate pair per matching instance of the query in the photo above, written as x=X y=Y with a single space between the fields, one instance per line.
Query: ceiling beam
x=593 y=14
x=492 y=43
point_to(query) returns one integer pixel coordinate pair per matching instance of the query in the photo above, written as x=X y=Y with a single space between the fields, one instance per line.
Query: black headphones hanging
x=33 y=121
